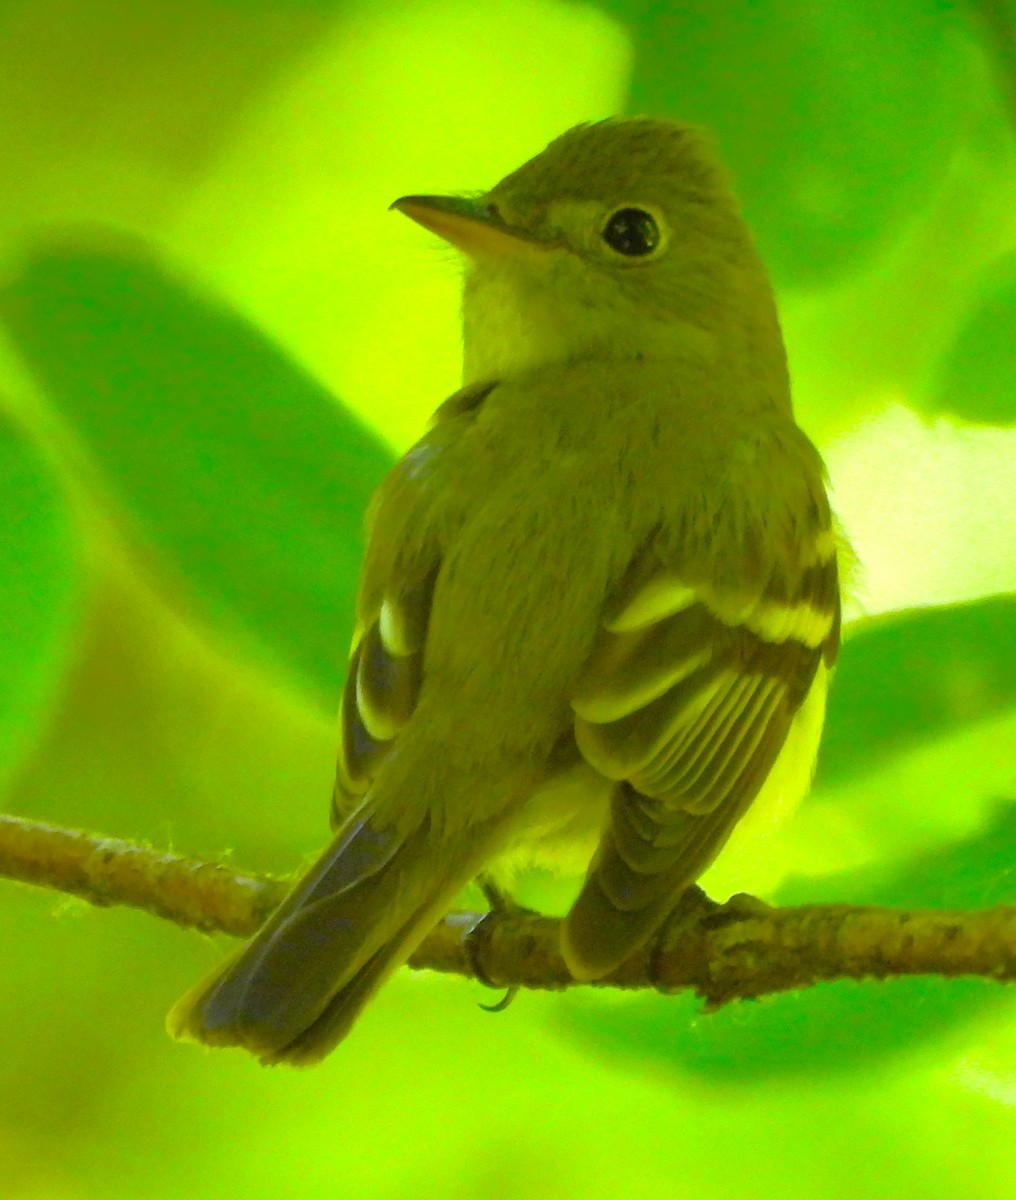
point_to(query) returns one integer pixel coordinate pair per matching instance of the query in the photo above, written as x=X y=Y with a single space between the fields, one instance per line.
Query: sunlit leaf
x=914 y=676
x=39 y=590
x=976 y=379
x=229 y=458
x=837 y=118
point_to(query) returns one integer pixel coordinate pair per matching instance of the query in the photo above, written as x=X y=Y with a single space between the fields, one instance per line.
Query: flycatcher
x=599 y=597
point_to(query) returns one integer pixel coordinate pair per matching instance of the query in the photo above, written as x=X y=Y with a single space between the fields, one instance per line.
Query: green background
x=214 y=339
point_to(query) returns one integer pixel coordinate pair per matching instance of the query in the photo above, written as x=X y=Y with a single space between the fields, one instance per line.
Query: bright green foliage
x=912 y=677
x=229 y=459
x=976 y=379
x=39 y=591
x=837 y=117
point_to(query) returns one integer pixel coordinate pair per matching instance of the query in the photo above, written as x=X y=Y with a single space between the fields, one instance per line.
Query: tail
x=293 y=992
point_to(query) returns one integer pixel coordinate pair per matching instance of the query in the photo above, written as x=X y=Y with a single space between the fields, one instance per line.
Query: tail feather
x=295 y=990
x=341 y=1012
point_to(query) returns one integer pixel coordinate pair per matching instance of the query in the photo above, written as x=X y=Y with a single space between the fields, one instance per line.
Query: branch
x=106 y=871
x=728 y=951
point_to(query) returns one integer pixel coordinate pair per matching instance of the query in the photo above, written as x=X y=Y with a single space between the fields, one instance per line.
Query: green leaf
x=39 y=591
x=911 y=677
x=248 y=477
x=837 y=117
x=973 y=872
x=836 y=1029
x=976 y=379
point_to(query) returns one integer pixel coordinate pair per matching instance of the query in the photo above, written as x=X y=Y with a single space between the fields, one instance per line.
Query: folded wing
x=687 y=702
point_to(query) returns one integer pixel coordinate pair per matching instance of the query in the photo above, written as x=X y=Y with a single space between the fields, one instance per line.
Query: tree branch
x=724 y=952
x=106 y=871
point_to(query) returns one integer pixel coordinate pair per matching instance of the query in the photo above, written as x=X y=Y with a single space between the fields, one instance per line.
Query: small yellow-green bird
x=599 y=598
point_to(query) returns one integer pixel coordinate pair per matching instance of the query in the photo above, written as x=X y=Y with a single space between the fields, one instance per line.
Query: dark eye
x=632 y=232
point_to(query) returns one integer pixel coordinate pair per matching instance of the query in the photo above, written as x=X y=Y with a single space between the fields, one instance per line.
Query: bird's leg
x=501 y=905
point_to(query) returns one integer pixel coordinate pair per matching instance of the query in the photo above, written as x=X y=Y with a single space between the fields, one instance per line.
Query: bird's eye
x=632 y=232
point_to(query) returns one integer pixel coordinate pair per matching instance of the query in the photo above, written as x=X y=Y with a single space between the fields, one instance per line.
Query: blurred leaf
x=837 y=117
x=912 y=676
x=837 y=1027
x=977 y=378
x=975 y=872
x=238 y=466
x=39 y=590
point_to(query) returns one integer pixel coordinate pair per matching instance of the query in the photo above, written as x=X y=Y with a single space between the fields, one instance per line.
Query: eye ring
x=632 y=232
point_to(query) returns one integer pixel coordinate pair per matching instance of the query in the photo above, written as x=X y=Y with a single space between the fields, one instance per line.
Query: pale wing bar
x=382 y=688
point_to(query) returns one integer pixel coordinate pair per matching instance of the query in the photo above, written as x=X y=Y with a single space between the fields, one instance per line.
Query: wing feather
x=686 y=702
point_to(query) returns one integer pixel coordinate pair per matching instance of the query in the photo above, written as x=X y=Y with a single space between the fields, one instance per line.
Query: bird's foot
x=477 y=938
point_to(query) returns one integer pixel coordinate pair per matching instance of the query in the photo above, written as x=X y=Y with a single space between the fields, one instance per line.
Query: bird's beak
x=472 y=226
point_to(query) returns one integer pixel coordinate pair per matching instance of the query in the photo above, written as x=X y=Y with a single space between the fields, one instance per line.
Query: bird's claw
x=501 y=905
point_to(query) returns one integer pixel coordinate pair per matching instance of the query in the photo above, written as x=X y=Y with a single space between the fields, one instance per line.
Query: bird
x=600 y=596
